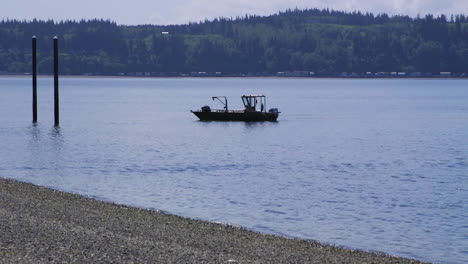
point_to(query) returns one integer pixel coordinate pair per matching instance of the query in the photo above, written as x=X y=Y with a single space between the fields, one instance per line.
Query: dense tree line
x=323 y=41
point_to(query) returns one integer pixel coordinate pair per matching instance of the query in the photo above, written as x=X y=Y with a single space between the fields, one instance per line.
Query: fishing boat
x=254 y=110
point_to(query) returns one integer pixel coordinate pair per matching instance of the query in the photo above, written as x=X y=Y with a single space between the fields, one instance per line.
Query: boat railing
x=229 y=111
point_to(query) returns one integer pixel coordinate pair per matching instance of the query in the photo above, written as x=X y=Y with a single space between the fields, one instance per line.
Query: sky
x=164 y=12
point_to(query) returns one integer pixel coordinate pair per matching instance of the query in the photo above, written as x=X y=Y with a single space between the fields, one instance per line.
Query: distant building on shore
x=295 y=74
x=445 y=74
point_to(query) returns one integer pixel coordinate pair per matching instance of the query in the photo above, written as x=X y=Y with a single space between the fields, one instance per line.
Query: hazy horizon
x=184 y=11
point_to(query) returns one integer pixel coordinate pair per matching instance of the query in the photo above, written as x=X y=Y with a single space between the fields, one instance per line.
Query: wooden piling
x=56 y=82
x=34 y=79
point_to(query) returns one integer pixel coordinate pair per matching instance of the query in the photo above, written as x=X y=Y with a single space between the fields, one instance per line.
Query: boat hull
x=236 y=116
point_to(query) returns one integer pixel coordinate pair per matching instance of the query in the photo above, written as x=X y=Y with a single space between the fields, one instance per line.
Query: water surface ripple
x=378 y=165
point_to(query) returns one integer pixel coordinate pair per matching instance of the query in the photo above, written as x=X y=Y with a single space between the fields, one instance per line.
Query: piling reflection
x=35 y=132
x=56 y=140
x=56 y=132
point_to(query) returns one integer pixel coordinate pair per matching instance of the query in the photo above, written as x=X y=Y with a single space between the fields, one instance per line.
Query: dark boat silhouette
x=255 y=110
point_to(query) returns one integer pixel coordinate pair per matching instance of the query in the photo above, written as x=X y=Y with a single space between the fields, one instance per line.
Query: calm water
x=379 y=165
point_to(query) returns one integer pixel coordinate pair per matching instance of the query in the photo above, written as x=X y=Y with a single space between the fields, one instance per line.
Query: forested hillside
x=322 y=41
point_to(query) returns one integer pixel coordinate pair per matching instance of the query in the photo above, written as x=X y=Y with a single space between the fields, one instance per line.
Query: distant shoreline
x=230 y=77
x=44 y=225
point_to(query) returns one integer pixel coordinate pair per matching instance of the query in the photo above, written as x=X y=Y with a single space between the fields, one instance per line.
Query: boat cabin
x=254 y=103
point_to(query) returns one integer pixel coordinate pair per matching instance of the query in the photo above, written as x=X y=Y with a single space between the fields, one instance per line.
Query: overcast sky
x=162 y=12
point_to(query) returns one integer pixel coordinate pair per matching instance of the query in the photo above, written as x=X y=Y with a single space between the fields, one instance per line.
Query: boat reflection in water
x=255 y=110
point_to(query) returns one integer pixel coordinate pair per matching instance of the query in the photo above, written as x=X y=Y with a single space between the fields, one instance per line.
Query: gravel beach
x=40 y=225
